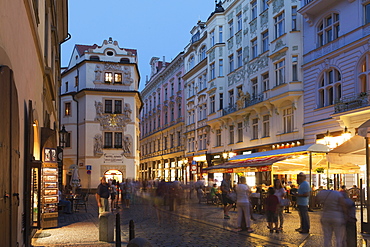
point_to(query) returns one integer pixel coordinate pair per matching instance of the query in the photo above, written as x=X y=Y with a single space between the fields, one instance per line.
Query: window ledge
x=287 y=133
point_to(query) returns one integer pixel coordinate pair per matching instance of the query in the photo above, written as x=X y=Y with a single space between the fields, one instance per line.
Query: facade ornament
x=126 y=77
x=98 y=145
x=264 y=19
x=246 y=120
x=110 y=121
x=230 y=43
x=245 y=9
x=220 y=50
x=278 y=56
x=127 y=112
x=98 y=72
x=253 y=26
x=230 y=16
x=242 y=98
x=279 y=44
x=127 y=150
x=277 y=5
x=99 y=109
x=238 y=38
x=212 y=55
x=261 y=62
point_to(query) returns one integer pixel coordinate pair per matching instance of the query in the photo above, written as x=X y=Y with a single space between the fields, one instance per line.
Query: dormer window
x=94 y=58
x=124 y=60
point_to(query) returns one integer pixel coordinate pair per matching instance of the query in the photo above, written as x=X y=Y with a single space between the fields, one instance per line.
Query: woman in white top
x=243 y=204
x=281 y=194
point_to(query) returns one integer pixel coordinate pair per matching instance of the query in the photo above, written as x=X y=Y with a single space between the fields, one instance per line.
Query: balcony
x=315 y=7
x=229 y=109
x=242 y=105
x=352 y=102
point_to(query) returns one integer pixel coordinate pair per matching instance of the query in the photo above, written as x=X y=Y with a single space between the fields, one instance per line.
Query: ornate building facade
x=162 y=123
x=100 y=106
x=29 y=81
x=335 y=70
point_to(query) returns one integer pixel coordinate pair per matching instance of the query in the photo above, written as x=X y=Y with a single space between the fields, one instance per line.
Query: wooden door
x=9 y=158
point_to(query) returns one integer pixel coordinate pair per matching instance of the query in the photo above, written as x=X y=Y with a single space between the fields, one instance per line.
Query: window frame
x=279 y=24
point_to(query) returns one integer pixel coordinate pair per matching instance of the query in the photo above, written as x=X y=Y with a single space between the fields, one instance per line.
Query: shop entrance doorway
x=114 y=174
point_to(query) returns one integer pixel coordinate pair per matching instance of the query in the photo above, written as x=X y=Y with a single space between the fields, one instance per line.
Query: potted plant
x=319 y=170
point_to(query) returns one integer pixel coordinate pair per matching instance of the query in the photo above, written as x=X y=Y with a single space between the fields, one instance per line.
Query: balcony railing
x=352 y=102
x=305 y=2
x=233 y=108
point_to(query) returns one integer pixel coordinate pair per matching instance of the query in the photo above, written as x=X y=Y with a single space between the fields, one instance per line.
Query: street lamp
x=62 y=137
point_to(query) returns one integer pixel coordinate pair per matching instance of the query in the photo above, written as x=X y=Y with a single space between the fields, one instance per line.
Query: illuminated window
x=117 y=78
x=108 y=77
x=67 y=109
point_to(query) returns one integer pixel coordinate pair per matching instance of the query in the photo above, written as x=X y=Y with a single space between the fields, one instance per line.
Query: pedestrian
x=271 y=206
x=113 y=193
x=302 y=196
x=126 y=188
x=67 y=205
x=225 y=190
x=281 y=194
x=243 y=204
x=102 y=196
x=350 y=238
x=199 y=187
x=333 y=216
x=293 y=191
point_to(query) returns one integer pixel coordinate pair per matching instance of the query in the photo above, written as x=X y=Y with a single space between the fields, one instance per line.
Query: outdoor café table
x=71 y=198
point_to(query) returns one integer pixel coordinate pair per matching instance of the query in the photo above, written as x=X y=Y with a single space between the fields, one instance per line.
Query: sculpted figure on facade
x=127 y=75
x=126 y=146
x=99 y=110
x=98 y=145
x=127 y=112
x=98 y=72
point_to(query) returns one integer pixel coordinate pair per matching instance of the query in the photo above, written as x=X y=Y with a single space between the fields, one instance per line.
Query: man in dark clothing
x=102 y=196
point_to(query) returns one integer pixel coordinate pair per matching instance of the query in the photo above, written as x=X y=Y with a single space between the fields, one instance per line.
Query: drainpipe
x=77 y=120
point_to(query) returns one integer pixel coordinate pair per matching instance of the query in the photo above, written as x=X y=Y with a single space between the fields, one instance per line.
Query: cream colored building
x=100 y=106
x=30 y=36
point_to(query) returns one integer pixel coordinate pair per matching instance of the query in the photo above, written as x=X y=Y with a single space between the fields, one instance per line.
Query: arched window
x=124 y=60
x=363 y=75
x=202 y=53
x=191 y=62
x=94 y=58
x=328 y=29
x=329 y=88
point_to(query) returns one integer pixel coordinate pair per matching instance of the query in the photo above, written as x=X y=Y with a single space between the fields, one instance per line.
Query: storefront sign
x=264 y=168
x=112 y=158
x=193 y=167
x=230 y=170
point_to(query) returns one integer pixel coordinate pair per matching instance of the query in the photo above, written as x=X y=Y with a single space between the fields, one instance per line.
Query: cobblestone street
x=191 y=224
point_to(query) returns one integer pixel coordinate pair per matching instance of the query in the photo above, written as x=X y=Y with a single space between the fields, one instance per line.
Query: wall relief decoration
x=230 y=43
x=257 y=64
x=220 y=50
x=236 y=77
x=253 y=26
x=277 y=5
x=212 y=55
x=242 y=98
x=279 y=44
x=98 y=145
x=109 y=121
x=98 y=73
x=278 y=56
x=264 y=19
x=238 y=38
x=127 y=146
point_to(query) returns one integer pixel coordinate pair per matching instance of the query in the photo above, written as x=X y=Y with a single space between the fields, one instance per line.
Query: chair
x=81 y=201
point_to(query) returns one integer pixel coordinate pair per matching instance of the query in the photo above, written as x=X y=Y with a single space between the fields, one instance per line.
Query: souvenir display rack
x=49 y=177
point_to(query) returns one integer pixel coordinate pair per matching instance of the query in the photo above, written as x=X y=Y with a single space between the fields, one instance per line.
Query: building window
x=118 y=106
x=254 y=88
x=179 y=84
x=294 y=18
x=76 y=81
x=165 y=142
x=265 y=41
x=231 y=97
x=108 y=140
x=221 y=98
x=330 y=89
x=213 y=104
x=239 y=21
x=240 y=58
x=288 y=120
x=202 y=53
x=118 y=78
x=265 y=82
x=172 y=114
x=254 y=128
x=367 y=13
x=231 y=63
x=68 y=140
x=221 y=67
x=266 y=126
x=172 y=89
x=165 y=118
x=231 y=28
x=191 y=62
x=220 y=34
x=212 y=70
x=328 y=29
x=295 y=68
x=218 y=137
x=280 y=72
x=67 y=109
x=279 y=21
x=363 y=76
x=108 y=106
x=172 y=141
x=254 y=9
x=240 y=132
x=264 y=5
x=231 y=134
x=66 y=86
x=117 y=139
x=165 y=94
x=212 y=38
x=179 y=110
x=178 y=138
x=108 y=77
x=254 y=48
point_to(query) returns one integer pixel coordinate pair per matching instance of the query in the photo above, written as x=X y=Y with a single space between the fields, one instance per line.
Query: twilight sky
x=156 y=28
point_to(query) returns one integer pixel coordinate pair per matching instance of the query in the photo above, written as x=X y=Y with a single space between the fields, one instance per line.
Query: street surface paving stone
x=191 y=224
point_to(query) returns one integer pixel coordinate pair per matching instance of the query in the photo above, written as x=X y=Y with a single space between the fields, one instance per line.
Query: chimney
x=164 y=62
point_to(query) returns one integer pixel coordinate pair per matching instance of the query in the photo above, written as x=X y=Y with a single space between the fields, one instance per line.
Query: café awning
x=350 y=152
x=287 y=160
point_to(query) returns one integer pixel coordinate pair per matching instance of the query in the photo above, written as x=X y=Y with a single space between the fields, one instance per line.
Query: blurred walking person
x=243 y=205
